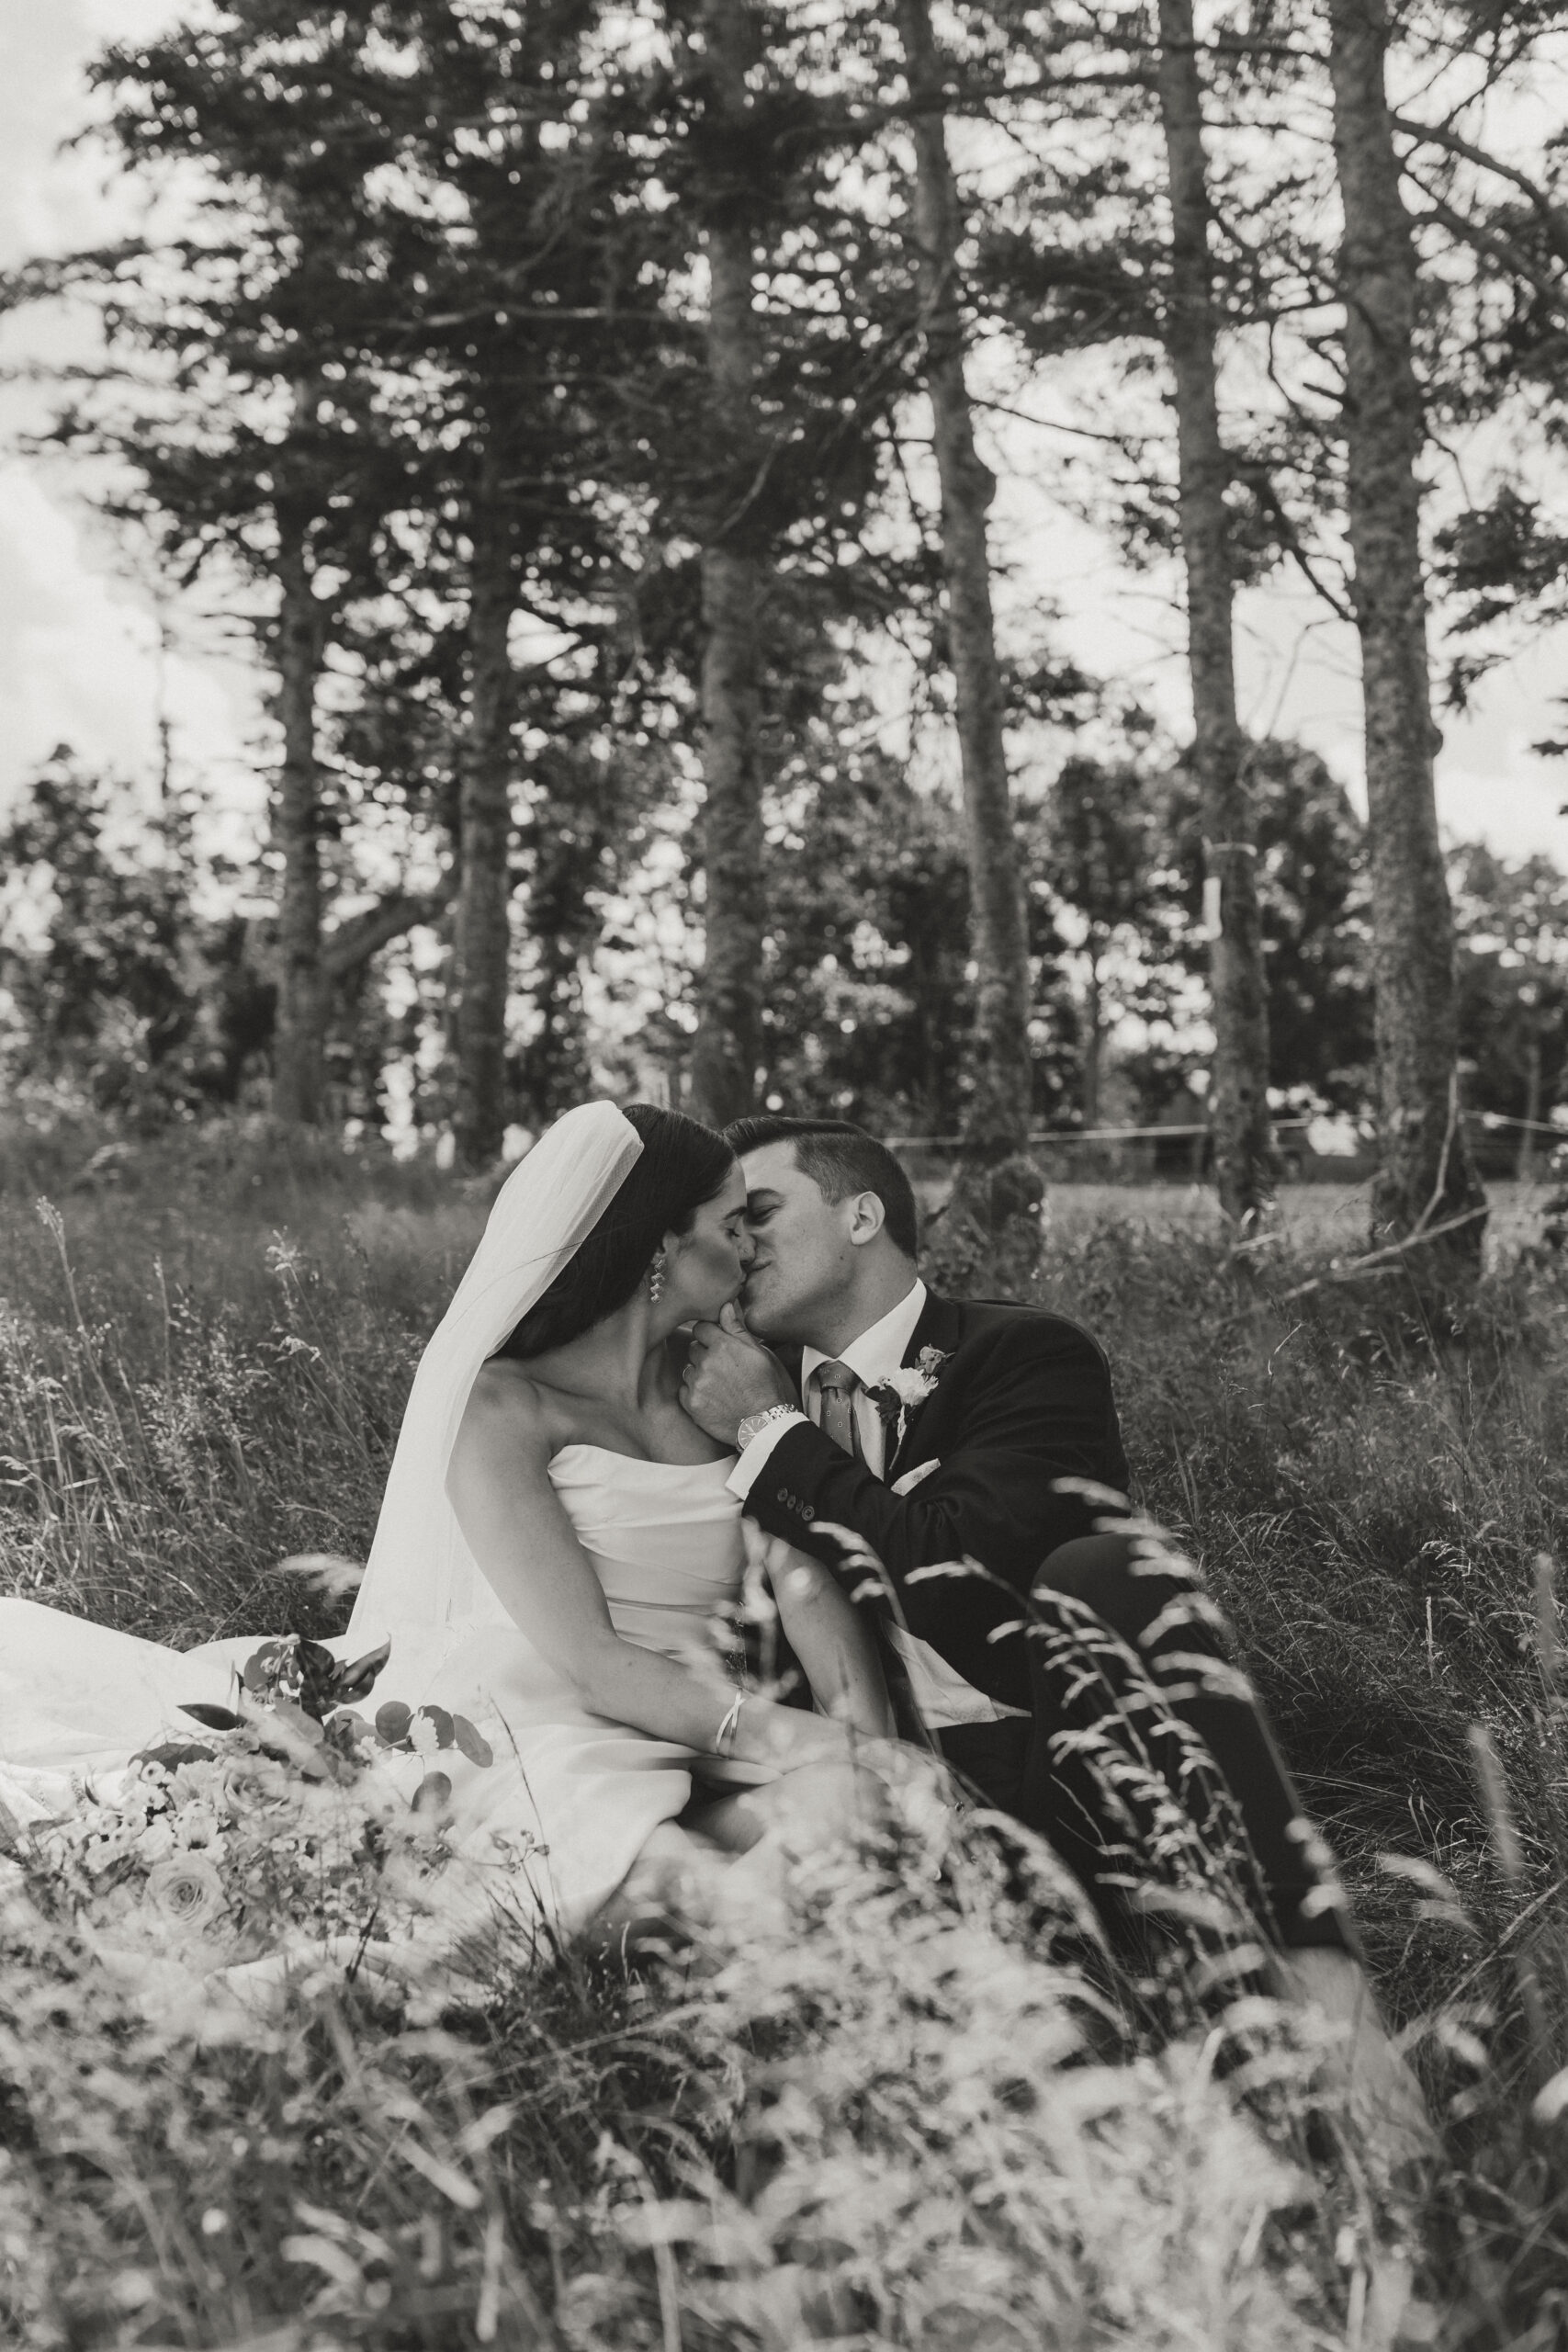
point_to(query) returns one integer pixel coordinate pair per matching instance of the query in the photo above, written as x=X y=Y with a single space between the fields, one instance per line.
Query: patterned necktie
x=836 y=1385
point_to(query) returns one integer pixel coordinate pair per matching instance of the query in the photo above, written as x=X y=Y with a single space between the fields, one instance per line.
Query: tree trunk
x=1527 y=1162
x=1426 y=1176
x=299 y=1042
x=728 y=1040
x=1093 y=1040
x=482 y=937
x=997 y=1117
x=1245 y=1165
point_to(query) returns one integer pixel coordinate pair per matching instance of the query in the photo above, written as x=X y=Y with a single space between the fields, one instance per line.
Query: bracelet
x=726 y=1731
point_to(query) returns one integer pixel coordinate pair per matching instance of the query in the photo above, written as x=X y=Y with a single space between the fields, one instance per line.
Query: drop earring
x=656 y=1280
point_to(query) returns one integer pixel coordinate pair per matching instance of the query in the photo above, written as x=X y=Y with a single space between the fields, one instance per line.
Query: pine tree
x=273 y=468
x=999 y=1106
x=300 y=1038
x=1238 y=1097
x=1426 y=1178
x=729 y=1034
x=772 y=450
x=481 y=982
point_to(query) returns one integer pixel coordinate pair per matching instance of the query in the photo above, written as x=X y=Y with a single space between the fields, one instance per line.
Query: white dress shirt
x=941 y=1695
x=872 y=1358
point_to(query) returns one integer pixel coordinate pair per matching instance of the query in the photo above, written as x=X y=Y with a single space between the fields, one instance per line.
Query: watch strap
x=755 y=1423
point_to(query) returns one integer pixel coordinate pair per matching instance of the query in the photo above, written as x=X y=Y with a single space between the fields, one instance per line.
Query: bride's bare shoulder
x=506 y=1404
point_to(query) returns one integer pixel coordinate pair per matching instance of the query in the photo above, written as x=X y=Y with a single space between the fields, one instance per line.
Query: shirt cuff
x=740 y=1479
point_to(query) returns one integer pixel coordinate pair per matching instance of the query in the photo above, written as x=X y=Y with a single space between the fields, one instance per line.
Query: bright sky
x=80 y=659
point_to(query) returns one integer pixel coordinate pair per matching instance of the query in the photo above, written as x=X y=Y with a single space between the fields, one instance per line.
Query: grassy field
x=204 y=1351
x=1327 y=1218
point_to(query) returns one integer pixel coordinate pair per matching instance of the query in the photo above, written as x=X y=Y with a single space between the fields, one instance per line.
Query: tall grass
x=1376 y=1484
x=202 y=1366
x=202 y=1361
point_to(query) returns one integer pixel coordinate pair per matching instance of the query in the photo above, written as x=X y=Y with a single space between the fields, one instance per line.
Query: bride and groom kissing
x=673 y=1346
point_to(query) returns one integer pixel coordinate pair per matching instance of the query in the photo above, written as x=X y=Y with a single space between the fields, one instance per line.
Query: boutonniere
x=902 y=1392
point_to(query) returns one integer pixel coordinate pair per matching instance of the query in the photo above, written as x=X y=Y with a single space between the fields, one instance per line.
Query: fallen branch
x=1383 y=1257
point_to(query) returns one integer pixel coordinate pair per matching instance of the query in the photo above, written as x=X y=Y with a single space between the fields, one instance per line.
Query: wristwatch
x=755 y=1423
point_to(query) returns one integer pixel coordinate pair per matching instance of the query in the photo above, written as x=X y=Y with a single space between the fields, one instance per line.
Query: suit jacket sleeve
x=1036 y=1407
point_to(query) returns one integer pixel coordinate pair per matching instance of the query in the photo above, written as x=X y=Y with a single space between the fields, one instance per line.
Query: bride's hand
x=783 y=1738
x=832 y=1640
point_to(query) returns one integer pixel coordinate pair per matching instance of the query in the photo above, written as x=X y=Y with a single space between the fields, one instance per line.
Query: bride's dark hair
x=681 y=1165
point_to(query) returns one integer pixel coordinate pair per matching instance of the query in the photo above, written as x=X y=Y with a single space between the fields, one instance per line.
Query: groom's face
x=801 y=1253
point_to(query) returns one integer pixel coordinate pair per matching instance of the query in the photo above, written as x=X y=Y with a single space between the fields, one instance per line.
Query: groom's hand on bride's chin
x=729 y=1375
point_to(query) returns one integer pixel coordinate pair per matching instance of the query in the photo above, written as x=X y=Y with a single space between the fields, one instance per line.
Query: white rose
x=155 y=1841
x=185 y=1891
x=254 y=1785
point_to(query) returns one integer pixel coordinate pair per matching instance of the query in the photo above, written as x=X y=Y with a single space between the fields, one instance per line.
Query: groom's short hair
x=840 y=1159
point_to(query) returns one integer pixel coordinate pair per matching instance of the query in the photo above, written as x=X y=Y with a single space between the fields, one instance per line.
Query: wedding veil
x=421 y=1569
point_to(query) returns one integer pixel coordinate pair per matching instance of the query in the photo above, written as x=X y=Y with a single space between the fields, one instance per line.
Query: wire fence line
x=1487 y=1119
x=1182 y=1150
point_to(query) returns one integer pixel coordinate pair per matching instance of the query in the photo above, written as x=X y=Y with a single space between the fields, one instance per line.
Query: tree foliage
x=410 y=372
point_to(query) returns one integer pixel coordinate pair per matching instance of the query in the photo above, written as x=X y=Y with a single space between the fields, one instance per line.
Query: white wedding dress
x=576 y=1795
x=664 y=1539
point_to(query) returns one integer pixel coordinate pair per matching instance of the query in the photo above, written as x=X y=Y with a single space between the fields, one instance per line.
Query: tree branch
x=353 y=943
x=1426 y=135
x=1129 y=444
x=1496 y=246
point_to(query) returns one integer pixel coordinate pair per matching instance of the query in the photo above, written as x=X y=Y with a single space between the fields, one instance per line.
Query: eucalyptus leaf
x=354 y=1681
x=296 y=1720
x=473 y=1743
x=172 y=1754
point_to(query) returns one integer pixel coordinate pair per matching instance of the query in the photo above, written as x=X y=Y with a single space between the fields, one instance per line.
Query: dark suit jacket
x=1023 y=1400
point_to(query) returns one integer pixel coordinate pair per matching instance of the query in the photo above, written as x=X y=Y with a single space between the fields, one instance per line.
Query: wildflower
x=156 y=1841
x=100 y=1854
x=186 y=1891
x=284 y=1258
x=192 y=1783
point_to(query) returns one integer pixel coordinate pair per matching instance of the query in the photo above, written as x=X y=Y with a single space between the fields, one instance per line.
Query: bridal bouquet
x=282 y=1837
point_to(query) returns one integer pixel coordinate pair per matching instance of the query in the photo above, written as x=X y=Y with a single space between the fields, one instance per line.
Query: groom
x=936 y=1429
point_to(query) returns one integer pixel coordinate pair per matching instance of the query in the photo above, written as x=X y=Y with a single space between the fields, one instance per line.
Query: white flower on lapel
x=901 y=1394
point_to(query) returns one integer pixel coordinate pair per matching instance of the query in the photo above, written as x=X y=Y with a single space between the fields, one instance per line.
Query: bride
x=556 y=1540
